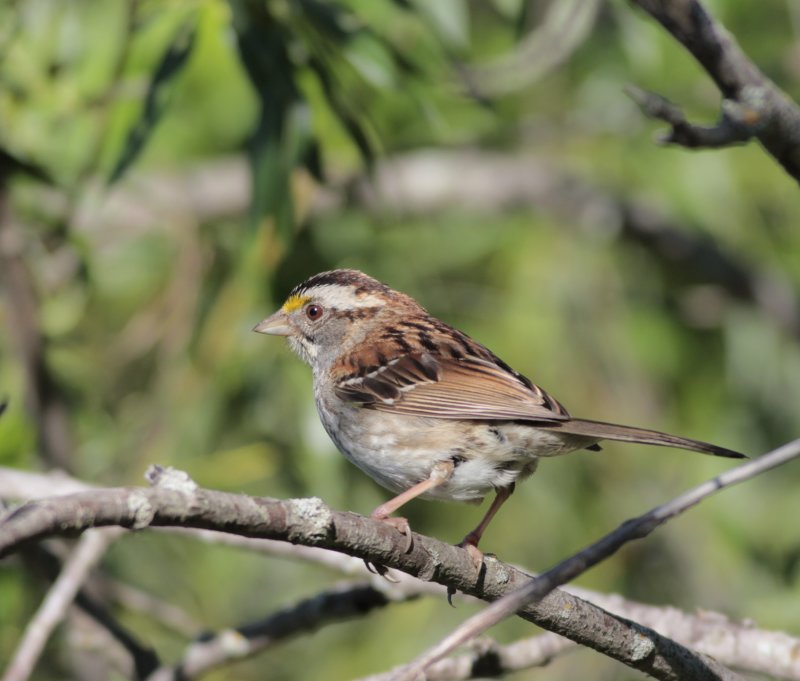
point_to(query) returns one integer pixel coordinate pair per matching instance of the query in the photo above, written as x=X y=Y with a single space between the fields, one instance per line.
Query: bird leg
x=470 y=542
x=441 y=473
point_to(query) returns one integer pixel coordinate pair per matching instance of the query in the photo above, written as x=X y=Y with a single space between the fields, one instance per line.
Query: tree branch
x=737 y=124
x=487 y=659
x=752 y=104
x=741 y=646
x=333 y=605
x=137 y=600
x=735 y=644
x=53 y=609
x=310 y=522
x=577 y=564
x=143 y=658
x=176 y=500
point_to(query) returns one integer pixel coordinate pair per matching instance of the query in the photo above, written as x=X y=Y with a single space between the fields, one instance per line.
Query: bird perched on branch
x=421 y=407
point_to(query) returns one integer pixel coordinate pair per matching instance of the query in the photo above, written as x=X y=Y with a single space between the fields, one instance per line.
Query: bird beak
x=275 y=325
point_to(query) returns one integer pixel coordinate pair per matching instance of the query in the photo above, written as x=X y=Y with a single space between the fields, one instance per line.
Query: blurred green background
x=171 y=169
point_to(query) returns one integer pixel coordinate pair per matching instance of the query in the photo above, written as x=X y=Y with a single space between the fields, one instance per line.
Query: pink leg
x=440 y=474
x=470 y=542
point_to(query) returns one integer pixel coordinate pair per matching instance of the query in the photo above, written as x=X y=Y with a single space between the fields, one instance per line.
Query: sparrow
x=422 y=408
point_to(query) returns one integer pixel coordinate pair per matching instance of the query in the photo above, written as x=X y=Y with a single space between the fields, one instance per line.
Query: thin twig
x=144 y=658
x=333 y=605
x=568 y=569
x=53 y=609
x=737 y=124
x=138 y=600
x=738 y=645
x=489 y=660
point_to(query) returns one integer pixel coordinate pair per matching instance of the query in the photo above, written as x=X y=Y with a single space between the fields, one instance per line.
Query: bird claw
x=381 y=571
x=470 y=546
x=402 y=526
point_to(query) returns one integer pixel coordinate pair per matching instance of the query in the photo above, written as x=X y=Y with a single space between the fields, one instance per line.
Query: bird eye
x=314 y=312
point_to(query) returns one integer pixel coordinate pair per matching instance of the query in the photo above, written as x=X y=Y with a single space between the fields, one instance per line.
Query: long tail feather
x=612 y=431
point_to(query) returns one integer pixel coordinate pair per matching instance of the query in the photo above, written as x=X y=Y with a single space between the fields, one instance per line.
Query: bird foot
x=402 y=526
x=399 y=524
x=470 y=543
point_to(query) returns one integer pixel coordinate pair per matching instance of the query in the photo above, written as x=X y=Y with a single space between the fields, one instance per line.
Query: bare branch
x=138 y=600
x=741 y=646
x=53 y=609
x=143 y=658
x=310 y=522
x=735 y=644
x=736 y=125
x=577 y=564
x=487 y=659
x=752 y=103
x=19 y=485
x=16 y=484
x=334 y=605
x=176 y=500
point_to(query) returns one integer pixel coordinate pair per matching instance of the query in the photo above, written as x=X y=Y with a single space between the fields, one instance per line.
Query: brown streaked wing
x=468 y=388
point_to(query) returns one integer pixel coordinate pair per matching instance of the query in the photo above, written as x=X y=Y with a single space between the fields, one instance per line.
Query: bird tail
x=612 y=431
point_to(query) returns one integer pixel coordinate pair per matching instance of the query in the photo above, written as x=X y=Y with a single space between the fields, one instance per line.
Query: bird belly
x=399 y=451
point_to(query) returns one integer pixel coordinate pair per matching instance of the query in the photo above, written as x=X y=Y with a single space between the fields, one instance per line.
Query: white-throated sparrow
x=421 y=407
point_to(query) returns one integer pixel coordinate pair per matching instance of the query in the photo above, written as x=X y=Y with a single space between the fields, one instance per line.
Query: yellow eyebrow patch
x=295 y=302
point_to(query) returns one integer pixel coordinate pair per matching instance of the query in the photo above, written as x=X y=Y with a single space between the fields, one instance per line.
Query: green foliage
x=157 y=98
x=146 y=322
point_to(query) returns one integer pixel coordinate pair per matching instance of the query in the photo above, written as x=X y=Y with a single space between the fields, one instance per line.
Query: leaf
x=510 y=9
x=450 y=18
x=270 y=179
x=274 y=156
x=330 y=20
x=372 y=61
x=158 y=95
x=402 y=62
x=341 y=109
x=312 y=161
x=282 y=134
x=11 y=164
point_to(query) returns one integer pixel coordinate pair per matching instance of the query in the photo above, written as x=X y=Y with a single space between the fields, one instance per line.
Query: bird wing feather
x=419 y=384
